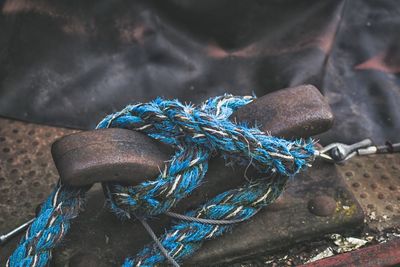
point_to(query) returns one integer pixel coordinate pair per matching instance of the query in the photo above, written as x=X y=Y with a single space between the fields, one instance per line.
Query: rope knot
x=205 y=129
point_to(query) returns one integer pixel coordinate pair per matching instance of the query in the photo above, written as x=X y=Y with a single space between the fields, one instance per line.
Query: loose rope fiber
x=196 y=133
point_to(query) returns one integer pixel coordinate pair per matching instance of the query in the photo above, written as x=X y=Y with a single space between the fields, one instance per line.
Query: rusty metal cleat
x=115 y=154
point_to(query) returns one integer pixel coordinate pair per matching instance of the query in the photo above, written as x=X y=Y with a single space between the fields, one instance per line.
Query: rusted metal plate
x=384 y=254
x=27 y=173
x=375 y=181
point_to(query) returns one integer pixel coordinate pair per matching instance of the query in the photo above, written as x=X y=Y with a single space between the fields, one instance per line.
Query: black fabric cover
x=70 y=62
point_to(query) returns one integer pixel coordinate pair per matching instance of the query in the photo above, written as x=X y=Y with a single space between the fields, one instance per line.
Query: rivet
x=377 y=166
x=349 y=173
x=322 y=206
x=384 y=177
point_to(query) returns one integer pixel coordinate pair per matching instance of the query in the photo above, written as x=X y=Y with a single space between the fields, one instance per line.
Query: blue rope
x=196 y=133
x=48 y=228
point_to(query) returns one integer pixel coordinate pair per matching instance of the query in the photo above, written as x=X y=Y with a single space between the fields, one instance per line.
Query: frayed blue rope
x=184 y=238
x=48 y=228
x=196 y=133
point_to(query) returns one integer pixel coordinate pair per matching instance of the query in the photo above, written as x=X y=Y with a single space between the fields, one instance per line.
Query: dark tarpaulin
x=69 y=63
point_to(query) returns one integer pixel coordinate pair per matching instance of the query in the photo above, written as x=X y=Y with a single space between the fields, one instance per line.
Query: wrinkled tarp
x=69 y=63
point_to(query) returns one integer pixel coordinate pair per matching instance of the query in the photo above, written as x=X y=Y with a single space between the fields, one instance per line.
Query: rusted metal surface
x=121 y=155
x=385 y=254
x=115 y=154
x=292 y=112
x=375 y=181
x=27 y=173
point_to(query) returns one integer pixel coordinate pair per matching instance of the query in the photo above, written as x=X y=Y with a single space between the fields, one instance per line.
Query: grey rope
x=206 y=221
x=184 y=218
x=157 y=241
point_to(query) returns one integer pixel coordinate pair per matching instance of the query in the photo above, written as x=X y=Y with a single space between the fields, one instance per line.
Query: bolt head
x=322 y=206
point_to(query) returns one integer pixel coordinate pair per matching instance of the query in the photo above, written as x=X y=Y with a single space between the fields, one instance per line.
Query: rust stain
x=326 y=40
x=15 y=6
x=251 y=50
x=130 y=32
x=379 y=62
x=11 y=7
x=213 y=50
